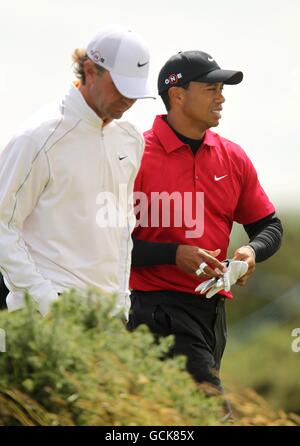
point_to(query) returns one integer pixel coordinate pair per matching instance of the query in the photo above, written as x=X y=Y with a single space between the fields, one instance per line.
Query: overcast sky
x=259 y=37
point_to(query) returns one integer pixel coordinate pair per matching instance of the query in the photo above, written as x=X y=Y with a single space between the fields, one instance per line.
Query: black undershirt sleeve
x=153 y=253
x=265 y=236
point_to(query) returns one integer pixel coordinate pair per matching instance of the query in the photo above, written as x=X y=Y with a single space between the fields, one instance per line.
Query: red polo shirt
x=210 y=190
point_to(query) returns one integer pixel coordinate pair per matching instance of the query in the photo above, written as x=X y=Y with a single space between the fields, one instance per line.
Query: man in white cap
x=56 y=174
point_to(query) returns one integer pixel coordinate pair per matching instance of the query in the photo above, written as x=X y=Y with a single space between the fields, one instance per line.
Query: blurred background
x=261 y=319
x=261 y=38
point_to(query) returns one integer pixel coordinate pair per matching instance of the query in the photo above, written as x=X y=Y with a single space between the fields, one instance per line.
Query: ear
x=89 y=70
x=176 y=95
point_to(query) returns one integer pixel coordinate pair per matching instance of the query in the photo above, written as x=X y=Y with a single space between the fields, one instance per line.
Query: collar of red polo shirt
x=170 y=140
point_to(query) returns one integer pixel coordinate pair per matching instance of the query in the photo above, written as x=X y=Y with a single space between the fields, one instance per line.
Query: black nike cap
x=194 y=66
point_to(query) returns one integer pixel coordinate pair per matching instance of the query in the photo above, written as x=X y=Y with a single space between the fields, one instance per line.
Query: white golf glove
x=235 y=270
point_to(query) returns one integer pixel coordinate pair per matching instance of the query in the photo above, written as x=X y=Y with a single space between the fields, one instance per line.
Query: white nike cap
x=125 y=55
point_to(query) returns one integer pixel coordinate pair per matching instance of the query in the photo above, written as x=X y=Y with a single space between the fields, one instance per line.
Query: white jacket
x=53 y=177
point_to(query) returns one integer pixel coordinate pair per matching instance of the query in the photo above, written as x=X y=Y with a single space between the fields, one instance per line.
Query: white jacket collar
x=75 y=104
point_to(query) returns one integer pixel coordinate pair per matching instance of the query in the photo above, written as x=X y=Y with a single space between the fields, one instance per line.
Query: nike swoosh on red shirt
x=220 y=178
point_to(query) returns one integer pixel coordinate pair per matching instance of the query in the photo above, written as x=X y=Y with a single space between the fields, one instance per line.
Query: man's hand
x=235 y=270
x=247 y=254
x=189 y=258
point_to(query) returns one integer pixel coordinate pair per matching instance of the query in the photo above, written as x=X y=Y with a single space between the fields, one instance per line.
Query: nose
x=220 y=99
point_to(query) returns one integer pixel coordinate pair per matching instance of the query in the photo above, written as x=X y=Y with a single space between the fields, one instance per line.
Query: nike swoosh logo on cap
x=142 y=64
x=220 y=178
x=122 y=157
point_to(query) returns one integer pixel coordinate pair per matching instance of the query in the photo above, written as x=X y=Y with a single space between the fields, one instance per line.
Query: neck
x=185 y=126
x=83 y=90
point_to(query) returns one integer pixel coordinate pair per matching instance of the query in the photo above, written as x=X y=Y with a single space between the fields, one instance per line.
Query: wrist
x=251 y=249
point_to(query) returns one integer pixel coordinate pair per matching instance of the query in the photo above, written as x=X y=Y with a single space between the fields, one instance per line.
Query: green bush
x=80 y=366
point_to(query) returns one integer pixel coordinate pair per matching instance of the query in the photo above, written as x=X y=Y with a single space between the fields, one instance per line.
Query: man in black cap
x=192 y=185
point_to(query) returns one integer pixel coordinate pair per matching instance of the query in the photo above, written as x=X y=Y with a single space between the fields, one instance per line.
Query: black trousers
x=198 y=325
x=3 y=293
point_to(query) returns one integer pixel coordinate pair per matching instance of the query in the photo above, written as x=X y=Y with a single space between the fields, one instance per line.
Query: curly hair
x=79 y=56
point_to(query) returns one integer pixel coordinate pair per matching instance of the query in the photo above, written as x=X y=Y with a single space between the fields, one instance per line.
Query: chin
x=117 y=115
